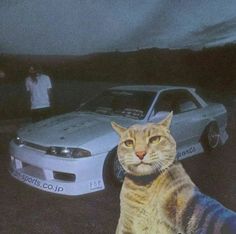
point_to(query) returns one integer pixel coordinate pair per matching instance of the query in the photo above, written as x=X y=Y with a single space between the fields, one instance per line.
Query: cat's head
x=146 y=149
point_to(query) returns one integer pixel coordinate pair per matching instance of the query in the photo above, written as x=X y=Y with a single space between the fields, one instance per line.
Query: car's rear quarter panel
x=217 y=112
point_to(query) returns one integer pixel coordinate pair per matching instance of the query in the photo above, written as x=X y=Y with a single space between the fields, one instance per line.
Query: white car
x=75 y=153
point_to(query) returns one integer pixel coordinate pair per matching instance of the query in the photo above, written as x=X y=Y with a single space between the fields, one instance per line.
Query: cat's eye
x=129 y=143
x=155 y=139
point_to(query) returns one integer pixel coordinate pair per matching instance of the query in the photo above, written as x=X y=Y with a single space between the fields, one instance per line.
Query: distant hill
x=210 y=68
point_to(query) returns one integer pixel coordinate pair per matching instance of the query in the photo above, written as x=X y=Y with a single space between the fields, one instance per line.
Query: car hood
x=72 y=129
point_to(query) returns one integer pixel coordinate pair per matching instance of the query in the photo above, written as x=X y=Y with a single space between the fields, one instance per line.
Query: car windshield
x=132 y=104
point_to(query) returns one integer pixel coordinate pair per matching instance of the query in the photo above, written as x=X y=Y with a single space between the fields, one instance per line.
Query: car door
x=187 y=115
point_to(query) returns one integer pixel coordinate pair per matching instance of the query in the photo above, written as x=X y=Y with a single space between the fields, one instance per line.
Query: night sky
x=73 y=27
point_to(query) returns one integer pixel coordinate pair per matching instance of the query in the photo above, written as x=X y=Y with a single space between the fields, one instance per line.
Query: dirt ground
x=28 y=210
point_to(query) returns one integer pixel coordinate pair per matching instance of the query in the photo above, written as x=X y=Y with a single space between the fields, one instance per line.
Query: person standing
x=39 y=87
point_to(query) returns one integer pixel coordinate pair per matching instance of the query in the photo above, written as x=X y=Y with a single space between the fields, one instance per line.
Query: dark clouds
x=86 y=26
x=223 y=32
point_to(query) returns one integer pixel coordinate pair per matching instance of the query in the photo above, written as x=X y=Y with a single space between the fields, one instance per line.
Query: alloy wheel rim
x=213 y=137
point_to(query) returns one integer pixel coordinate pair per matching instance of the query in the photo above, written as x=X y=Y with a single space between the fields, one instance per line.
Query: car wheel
x=211 y=137
x=115 y=170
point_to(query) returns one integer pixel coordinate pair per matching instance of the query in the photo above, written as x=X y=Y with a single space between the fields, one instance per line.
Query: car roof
x=150 y=88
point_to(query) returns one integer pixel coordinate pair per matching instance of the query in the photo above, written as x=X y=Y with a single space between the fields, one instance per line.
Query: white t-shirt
x=39 y=91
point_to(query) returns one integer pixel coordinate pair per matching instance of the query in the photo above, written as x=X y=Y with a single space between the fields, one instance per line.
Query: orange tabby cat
x=157 y=195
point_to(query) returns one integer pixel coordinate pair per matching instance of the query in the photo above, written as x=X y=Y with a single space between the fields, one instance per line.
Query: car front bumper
x=54 y=174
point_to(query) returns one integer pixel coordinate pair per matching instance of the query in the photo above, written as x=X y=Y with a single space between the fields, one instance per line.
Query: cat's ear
x=119 y=129
x=167 y=121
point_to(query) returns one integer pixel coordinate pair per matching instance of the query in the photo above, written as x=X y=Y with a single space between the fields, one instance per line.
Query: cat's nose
x=141 y=154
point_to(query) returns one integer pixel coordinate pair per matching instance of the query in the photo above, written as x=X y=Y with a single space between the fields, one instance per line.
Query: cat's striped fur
x=159 y=197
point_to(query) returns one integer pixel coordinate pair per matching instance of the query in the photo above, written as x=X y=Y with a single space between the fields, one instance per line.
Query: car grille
x=36 y=146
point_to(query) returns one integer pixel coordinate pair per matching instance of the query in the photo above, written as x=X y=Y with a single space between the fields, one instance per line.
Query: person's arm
x=50 y=94
x=28 y=93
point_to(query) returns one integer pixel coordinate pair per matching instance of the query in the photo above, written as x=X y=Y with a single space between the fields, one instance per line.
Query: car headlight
x=68 y=152
x=18 y=141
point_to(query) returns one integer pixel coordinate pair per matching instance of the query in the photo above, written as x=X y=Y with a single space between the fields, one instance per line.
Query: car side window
x=176 y=101
x=165 y=103
x=187 y=106
x=186 y=102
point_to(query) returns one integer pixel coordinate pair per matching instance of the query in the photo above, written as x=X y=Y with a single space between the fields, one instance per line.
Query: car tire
x=211 y=137
x=115 y=172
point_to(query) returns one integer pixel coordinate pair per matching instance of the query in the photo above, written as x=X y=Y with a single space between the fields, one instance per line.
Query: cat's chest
x=148 y=218
x=146 y=206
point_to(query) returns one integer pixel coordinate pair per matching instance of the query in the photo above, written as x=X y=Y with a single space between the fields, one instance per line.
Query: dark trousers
x=40 y=114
